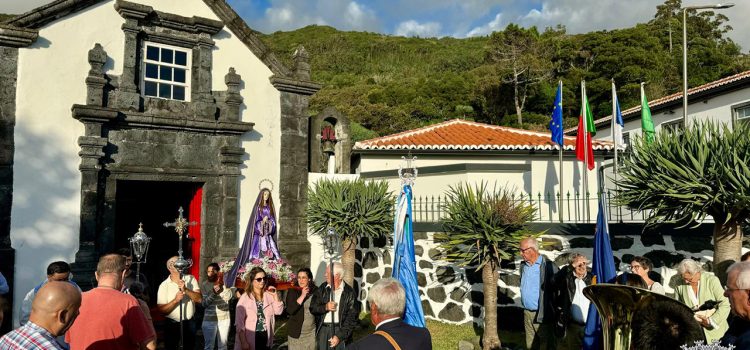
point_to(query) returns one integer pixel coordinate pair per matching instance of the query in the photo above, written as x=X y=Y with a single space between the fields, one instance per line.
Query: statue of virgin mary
x=260 y=235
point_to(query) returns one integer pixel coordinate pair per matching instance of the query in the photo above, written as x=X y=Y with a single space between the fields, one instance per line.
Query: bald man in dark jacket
x=387 y=302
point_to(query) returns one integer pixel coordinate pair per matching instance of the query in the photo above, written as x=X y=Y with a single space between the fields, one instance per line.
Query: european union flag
x=404 y=263
x=603 y=269
x=556 y=124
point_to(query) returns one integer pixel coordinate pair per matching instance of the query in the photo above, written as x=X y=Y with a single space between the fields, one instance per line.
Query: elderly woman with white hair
x=697 y=288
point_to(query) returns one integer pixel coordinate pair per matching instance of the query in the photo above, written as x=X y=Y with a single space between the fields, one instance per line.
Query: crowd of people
x=556 y=310
x=55 y=314
x=115 y=315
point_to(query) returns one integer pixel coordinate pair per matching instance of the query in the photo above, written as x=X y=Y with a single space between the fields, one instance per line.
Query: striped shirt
x=216 y=305
x=29 y=337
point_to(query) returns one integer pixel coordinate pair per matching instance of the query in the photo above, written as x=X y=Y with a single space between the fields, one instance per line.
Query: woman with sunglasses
x=255 y=313
x=301 y=325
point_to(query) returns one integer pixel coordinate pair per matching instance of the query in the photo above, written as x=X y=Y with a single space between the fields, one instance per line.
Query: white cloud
x=494 y=25
x=414 y=28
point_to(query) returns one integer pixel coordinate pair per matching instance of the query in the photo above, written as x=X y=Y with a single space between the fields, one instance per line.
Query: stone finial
x=97 y=59
x=301 y=63
x=233 y=98
x=95 y=81
x=233 y=80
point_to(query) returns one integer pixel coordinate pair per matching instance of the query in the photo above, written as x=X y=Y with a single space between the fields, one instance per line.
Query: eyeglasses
x=635 y=267
x=260 y=279
x=522 y=250
x=583 y=264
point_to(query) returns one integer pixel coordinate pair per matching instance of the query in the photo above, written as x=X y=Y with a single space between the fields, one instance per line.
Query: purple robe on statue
x=260 y=236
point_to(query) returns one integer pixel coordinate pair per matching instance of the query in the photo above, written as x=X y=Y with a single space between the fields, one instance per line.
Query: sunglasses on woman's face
x=260 y=279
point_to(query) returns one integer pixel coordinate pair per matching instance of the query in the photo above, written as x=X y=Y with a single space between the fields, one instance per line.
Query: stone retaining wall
x=454 y=294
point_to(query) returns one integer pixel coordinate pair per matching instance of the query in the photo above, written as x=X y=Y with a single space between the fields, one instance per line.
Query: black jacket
x=296 y=314
x=407 y=337
x=546 y=311
x=348 y=310
x=565 y=290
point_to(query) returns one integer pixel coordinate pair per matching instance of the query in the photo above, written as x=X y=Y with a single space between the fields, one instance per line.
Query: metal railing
x=430 y=209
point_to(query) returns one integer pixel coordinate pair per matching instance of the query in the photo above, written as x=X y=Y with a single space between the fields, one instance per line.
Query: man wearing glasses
x=537 y=291
x=571 y=305
x=738 y=293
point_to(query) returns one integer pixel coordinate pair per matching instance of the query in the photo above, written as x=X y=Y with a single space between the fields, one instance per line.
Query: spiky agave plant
x=685 y=177
x=482 y=227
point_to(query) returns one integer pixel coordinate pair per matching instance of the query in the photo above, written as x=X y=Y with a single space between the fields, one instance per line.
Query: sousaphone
x=635 y=318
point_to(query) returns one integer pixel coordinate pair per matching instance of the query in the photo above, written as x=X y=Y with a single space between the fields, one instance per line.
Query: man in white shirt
x=175 y=294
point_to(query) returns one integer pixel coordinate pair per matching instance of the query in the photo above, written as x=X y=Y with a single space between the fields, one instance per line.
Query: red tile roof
x=673 y=97
x=460 y=134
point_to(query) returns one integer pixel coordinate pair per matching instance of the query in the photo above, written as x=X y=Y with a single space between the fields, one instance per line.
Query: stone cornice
x=194 y=24
x=17 y=37
x=93 y=113
x=134 y=119
x=294 y=86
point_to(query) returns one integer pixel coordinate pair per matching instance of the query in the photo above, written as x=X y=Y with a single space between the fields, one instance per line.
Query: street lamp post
x=684 y=51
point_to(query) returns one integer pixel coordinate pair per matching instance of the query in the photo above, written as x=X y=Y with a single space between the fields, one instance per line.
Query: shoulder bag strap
x=389 y=338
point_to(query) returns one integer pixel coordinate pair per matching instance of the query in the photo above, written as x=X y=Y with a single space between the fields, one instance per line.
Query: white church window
x=166 y=72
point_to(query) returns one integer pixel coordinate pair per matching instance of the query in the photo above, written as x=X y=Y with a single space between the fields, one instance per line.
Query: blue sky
x=457 y=18
x=428 y=18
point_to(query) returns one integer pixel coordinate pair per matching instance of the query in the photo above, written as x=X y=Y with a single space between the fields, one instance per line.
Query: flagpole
x=585 y=150
x=615 y=129
x=560 y=200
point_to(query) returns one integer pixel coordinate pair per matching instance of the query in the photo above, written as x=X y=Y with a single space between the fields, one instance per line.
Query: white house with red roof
x=726 y=100
x=458 y=151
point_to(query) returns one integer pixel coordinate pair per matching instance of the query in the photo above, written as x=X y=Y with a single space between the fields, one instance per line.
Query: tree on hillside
x=482 y=227
x=523 y=59
x=683 y=178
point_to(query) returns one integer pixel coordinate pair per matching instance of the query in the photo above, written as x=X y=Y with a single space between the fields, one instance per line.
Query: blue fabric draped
x=603 y=269
x=404 y=263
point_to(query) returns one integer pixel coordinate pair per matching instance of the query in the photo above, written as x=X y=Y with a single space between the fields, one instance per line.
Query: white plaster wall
x=542 y=179
x=46 y=202
x=719 y=108
x=46 y=187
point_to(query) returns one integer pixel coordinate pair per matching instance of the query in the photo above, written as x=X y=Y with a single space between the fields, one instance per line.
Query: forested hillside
x=389 y=84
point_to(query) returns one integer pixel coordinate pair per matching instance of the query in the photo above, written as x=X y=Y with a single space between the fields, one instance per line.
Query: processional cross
x=180 y=224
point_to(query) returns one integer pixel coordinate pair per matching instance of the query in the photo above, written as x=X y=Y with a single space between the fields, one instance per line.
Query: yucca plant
x=355 y=209
x=482 y=227
x=684 y=177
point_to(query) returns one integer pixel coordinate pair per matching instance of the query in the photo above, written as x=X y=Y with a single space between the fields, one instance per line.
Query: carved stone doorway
x=153 y=203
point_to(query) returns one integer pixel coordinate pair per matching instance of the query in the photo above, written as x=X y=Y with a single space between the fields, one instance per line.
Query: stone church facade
x=106 y=107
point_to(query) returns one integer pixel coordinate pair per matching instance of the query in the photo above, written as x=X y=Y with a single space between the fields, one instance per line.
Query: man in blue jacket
x=537 y=289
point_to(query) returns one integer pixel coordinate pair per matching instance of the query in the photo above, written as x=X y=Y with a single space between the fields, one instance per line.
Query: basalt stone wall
x=454 y=294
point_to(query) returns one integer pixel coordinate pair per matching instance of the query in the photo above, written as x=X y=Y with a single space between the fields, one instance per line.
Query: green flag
x=647 y=125
x=590 y=127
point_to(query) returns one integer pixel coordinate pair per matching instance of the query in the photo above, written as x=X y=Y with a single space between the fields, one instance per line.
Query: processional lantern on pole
x=139 y=247
x=408 y=173
x=330 y=243
x=181 y=264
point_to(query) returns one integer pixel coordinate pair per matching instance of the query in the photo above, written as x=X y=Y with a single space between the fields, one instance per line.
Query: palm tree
x=684 y=177
x=354 y=209
x=483 y=226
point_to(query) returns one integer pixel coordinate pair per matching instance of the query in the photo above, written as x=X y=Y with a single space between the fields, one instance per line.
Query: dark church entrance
x=154 y=203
